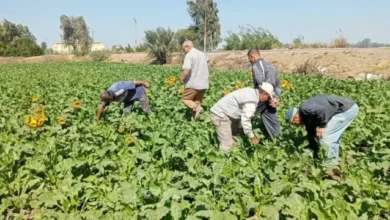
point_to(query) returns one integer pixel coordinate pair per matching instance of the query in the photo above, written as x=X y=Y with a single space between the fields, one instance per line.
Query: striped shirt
x=264 y=72
x=197 y=62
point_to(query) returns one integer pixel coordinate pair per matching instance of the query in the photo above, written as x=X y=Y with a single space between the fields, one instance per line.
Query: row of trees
x=205 y=32
x=17 y=40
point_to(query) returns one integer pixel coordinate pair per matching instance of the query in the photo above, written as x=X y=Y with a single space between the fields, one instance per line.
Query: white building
x=63 y=49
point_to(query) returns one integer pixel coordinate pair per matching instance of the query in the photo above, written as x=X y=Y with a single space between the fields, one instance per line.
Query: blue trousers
x=333 y=132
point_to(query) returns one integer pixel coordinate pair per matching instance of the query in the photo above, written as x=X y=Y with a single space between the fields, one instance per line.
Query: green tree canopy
x=204 y=14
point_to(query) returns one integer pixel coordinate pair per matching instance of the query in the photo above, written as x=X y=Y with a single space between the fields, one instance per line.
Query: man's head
x=253 y=55
x=106 y=96
x=266 y=92
x=188 y=45
x=293 y=117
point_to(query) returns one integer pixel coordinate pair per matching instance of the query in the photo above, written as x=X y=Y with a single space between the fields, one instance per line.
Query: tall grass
x=251 y=37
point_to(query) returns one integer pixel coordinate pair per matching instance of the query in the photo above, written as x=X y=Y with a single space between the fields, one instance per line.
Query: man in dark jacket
x=325 y=117
x=264 y=72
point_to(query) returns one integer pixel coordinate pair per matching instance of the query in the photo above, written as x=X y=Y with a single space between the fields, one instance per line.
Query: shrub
x=298 y=42
x=340 y=41
x=309 y=67
x=100 y=55
x=140 y=48
x=23 y=47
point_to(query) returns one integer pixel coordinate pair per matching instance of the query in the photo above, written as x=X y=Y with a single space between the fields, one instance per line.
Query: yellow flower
x=33 y=123
x=286 y=84
x=42 y=117
x=34 y=98
x=239 y=86
x=38 y=111
x=171 y=81
x=148 y=92
x=61 y=121
x=27 y=119
x=121 y=130
x=226 y=92
x=76 y=105
x=41 y=122
x=130 y=139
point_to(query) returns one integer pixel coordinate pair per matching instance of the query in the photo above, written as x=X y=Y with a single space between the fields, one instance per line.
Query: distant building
x=63 y=49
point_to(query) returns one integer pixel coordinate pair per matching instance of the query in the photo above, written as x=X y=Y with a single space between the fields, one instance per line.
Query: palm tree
x=160 y=43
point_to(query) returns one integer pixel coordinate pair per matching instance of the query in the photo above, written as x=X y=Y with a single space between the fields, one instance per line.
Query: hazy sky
x=112 y=21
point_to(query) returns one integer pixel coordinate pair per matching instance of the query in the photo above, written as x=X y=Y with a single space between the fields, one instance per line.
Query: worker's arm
x=186 y=68
x=186 y=72
x=100 y=112
x=248 y=112
x=258 y=73
x=142 y=83
x=313 y=143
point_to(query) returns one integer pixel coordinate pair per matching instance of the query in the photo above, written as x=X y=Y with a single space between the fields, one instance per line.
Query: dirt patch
x=340 y=63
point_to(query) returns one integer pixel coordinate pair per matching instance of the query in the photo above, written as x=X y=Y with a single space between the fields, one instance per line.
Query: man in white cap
x=235 y=111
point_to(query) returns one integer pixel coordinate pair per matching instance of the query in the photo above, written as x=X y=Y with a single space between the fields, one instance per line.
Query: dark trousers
x=270 y=119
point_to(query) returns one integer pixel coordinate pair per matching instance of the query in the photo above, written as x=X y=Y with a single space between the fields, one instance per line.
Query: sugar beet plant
x=57 y=163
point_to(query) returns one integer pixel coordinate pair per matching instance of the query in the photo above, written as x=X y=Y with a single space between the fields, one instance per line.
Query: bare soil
x=340 y=63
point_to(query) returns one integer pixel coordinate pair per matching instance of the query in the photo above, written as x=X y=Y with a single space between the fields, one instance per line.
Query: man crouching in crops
x=235 y=111
x=127 y=92
x=325 y=117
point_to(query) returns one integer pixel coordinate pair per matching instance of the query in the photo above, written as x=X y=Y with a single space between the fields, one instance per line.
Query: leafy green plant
x=164 y=166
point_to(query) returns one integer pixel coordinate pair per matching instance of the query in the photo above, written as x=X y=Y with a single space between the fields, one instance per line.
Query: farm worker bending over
x=127 y=92
x=264 y=72
x=235 y=111
x=195 y=78
x=325 y=117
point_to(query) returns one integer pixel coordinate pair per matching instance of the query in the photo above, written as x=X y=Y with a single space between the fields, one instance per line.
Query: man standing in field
x=325 y=117
x=234 y=112
x=195 y=78
x=127 y=92
x=264 y=72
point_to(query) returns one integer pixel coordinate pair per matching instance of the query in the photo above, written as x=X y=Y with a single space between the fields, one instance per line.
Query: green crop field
x=56 y=162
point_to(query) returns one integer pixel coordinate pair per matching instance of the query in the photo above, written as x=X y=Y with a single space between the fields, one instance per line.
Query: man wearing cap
x=195 y=78
x=264 y=72
x=325 y=117
x=127 y=92
x=235 y=111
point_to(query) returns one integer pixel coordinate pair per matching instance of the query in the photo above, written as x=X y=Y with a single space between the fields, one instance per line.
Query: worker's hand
x=320 y=133
x=146 y=84
x=182 y=78
x=275 y=102
x=255 y=141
